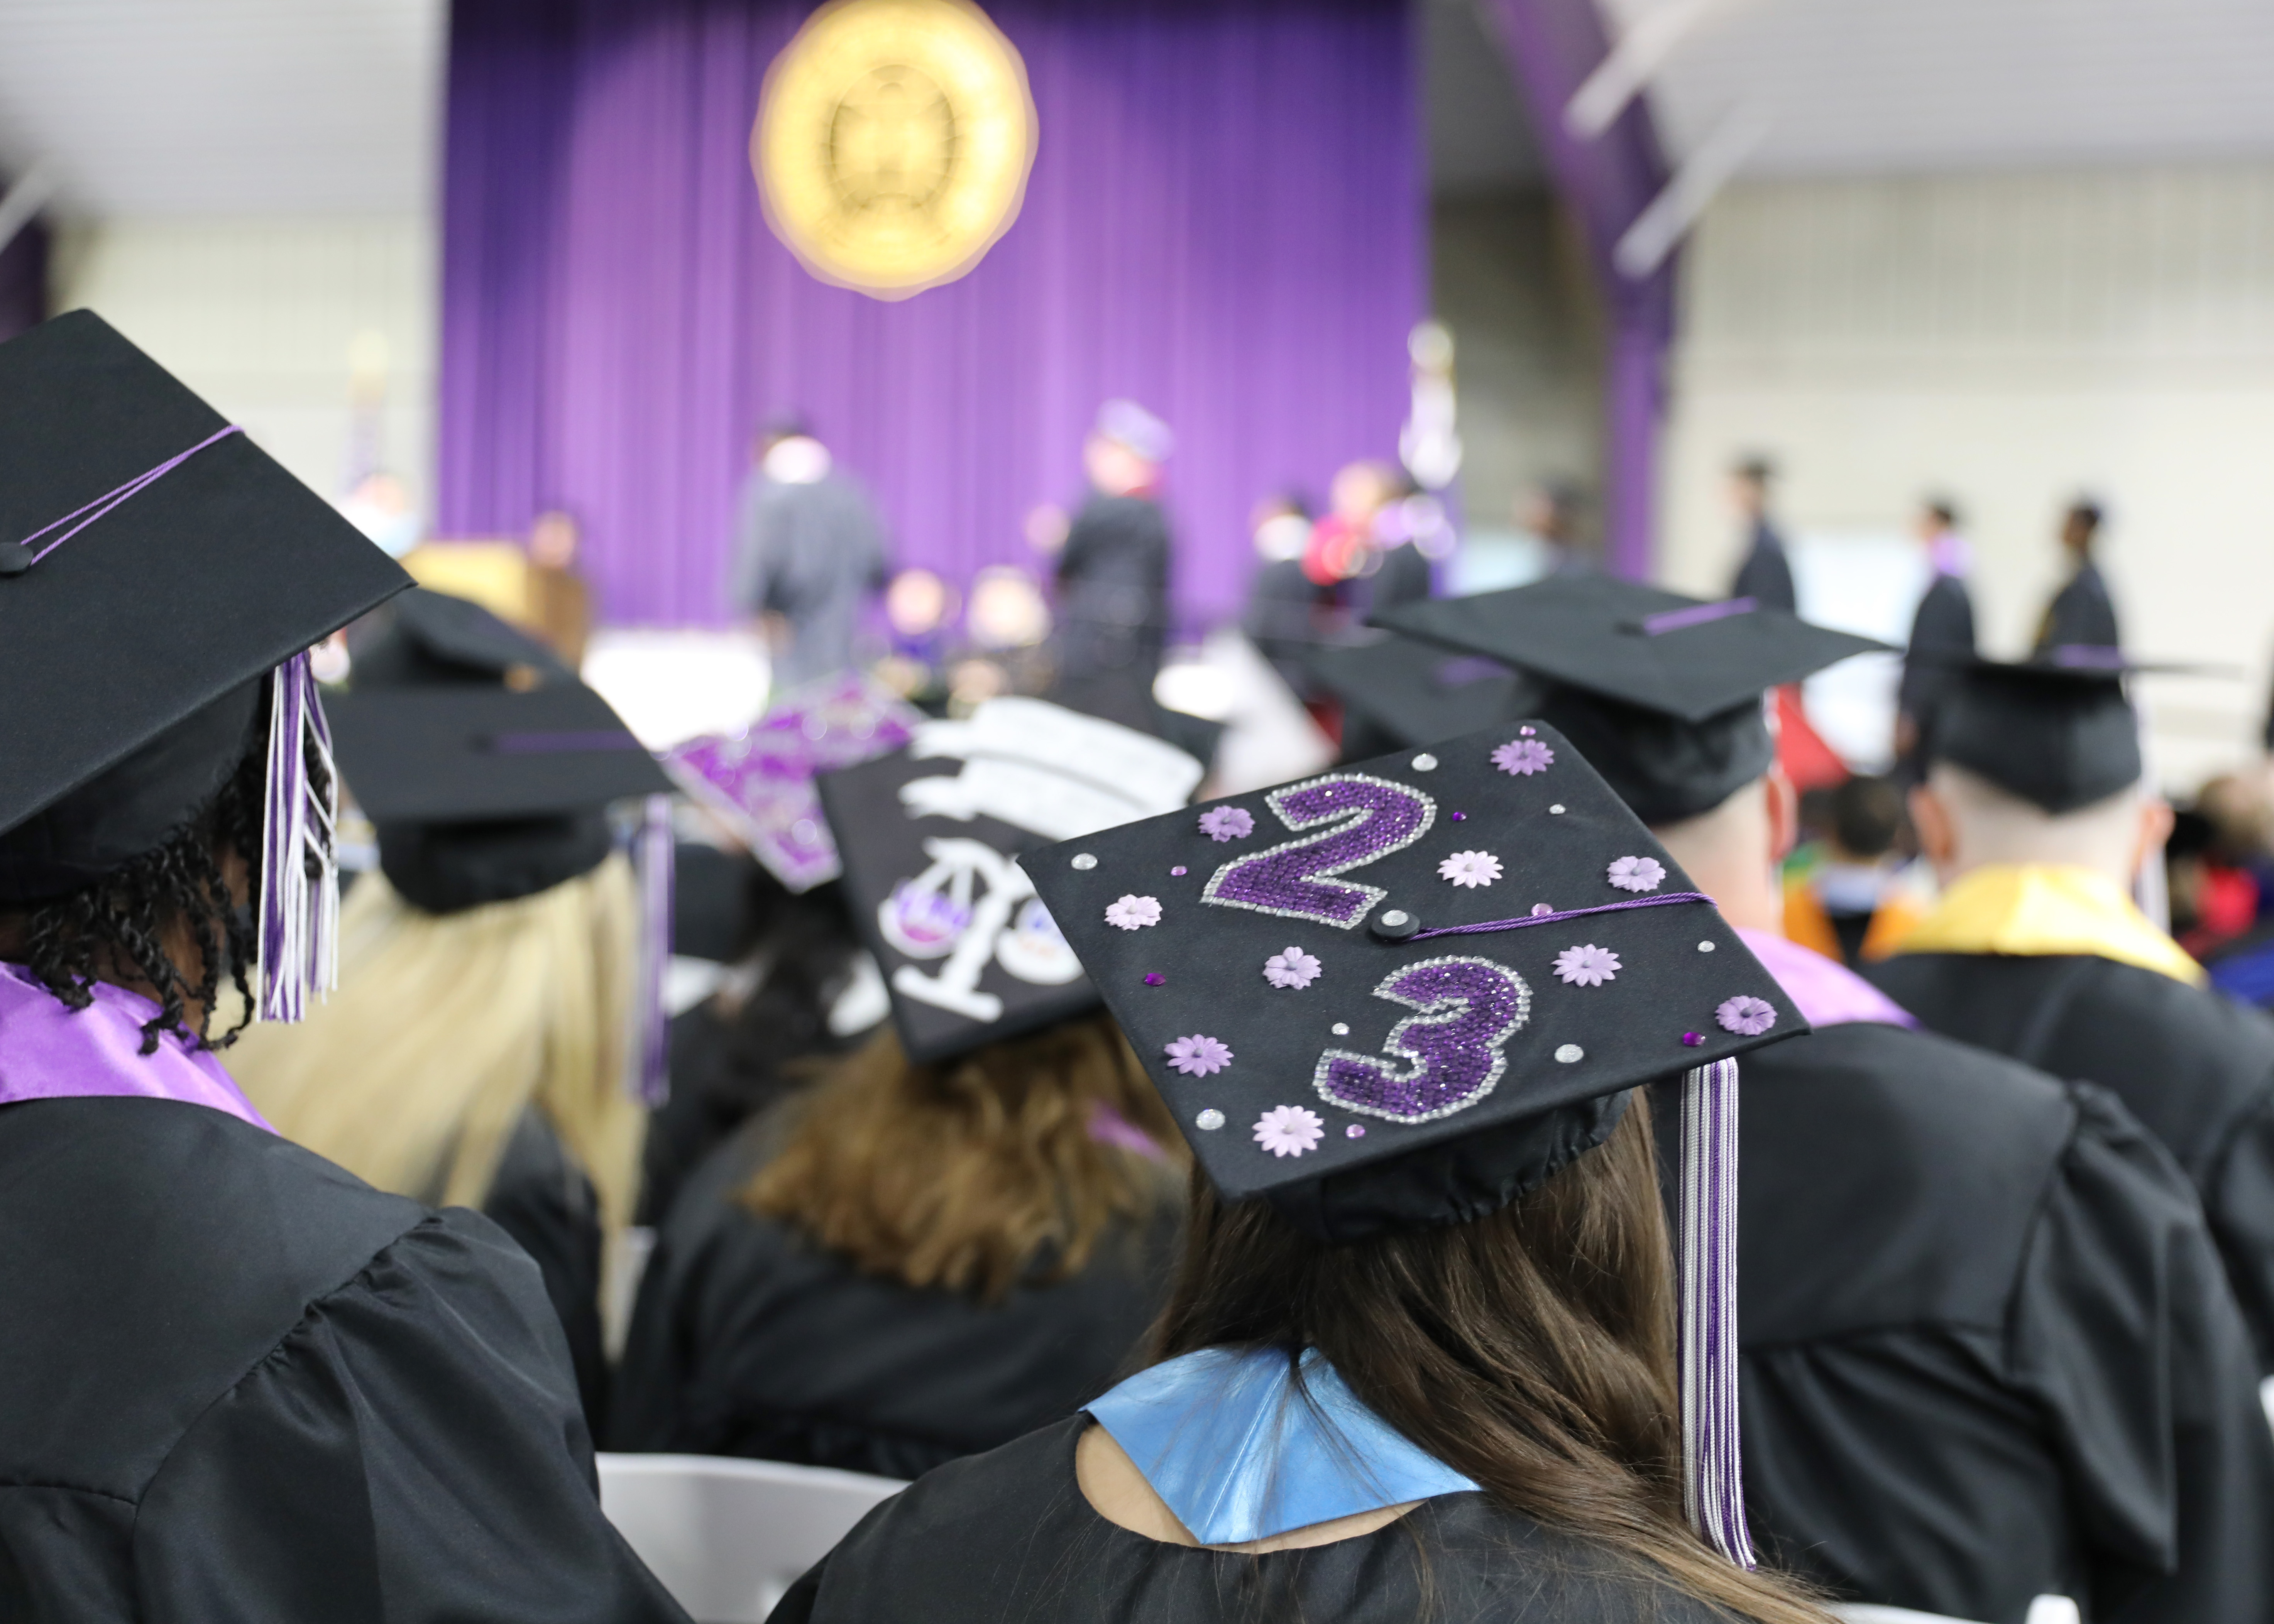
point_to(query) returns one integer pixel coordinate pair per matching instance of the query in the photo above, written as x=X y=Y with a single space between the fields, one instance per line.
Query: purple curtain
x=1225 y=222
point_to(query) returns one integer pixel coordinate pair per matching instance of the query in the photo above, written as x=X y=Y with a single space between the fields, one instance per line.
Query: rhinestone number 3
x=1451 y=1047
x=1369 y=818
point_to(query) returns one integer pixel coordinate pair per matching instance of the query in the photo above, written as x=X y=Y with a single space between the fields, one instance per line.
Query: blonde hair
x=969 y=1174
x=446 y=1028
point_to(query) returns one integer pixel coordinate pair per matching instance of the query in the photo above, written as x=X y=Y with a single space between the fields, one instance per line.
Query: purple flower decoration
x=1469 y=870
x=1290 y=1130
x=1197 y=1055
x=1227 y=822
x=1587 y=967
x=1134 y=912
x=1522 y=757
x=1292 y=968
x=1637 y=873
x=1746 y=1016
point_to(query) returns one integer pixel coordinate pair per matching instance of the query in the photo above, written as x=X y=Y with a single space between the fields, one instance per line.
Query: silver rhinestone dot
x=1705 y=947
x=1341 y=1029
x=1570 y=1053
x=1394 y=918
x=1083 y=860
x=1425 y=764
x=1210 y=1120
x=1557 y=809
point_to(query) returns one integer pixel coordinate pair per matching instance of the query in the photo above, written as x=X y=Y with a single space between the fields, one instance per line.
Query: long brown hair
x=1003 y=1165
x=1531 y=1350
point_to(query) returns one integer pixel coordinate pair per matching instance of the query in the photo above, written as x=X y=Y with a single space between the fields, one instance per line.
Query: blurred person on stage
x=1850 y=904
x=810 y=551
x=1765 y=576
x=1111 y=576
x=1554 y=513
x=1942 y=636
x=1284 y=605
x=560 y=603
x=2081 y=614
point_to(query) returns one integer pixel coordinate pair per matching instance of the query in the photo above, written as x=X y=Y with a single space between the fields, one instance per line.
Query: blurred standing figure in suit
x=1113 y=571
x=2082 y=613
x=1942 y=636
x=1766 y=577
x=809 y=551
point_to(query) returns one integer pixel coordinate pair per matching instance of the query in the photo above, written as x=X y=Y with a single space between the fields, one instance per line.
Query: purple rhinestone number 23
x=1370 y=818
x=1468 y=1008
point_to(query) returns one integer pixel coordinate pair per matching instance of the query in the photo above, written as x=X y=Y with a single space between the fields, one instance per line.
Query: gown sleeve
x=2240 y=1199
x=544 y=1200
x=2125 y=1329
x=412 y=1451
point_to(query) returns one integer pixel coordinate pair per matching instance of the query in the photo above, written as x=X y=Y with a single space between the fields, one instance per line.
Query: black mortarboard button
x=1393 y=925
x=1368 y=1078
x=930 y=835
x=1661 y=693
x=172 y=564
x=2058 y=730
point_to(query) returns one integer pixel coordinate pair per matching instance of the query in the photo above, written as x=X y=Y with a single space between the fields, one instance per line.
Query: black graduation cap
x=929 y=837
x=2057 y=730
x=1404 y=693
x=1402 y=993
x=486 y=766
x=155 y=565
x=1661 y=693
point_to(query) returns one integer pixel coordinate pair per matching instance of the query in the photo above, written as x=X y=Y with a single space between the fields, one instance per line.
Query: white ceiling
x=1897 y=85
x=229 y=107
x=224 y=106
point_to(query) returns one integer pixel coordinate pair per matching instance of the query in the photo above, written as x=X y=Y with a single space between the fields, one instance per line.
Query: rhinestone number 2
x=1448 y=1053
x=1358 y=819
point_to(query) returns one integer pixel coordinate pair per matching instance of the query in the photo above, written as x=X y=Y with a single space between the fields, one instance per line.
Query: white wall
x=2012 y=339
x=259 y=316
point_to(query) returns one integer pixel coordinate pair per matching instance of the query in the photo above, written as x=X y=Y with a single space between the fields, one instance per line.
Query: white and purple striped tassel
x=1712 y=1486
x=299 y=932
x=654 y=858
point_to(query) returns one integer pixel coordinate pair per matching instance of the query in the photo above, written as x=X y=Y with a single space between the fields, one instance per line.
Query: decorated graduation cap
x=161 y=579
x=1403 y=993
x=1401 y=692
x=929 y=838
x=1663 y=693
x=759 y=782
x=2058 y=730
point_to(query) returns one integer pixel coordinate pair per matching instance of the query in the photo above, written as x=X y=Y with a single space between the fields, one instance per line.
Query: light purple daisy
x=1290 y=1130
x=1227 y=822
x=1292 y=968
x=1469 y=870
x=1133 y=913
x=1637 y=873
x=1197 y=1055
x=1586 y=966
x=1745 y=1015
x=1522 y=757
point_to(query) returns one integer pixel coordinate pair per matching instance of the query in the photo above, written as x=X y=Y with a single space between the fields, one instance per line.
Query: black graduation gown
x=749 y=1341
x=1987 y=1353
x=2192 y=1064
x=1942 y=634
x=1766 y=577
x=1007 y=1534
x=542 y=1199
x=1113 y=606
x=237 y=1383
x=2081 y=612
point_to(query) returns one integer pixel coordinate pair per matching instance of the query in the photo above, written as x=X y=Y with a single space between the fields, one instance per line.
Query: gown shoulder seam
x=67 y=1488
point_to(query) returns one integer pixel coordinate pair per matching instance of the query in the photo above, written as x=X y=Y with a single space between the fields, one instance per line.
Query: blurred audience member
x=809 y=551
x=1555 y=514
x=1113 y=576
x=1850 y=904
x=1766 y=577
x=560 y=603
x=1941 y=639
x=2082 y=613
x=1283 y=603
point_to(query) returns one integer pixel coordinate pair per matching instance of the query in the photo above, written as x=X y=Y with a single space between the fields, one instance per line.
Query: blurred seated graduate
x=1420 y=1361
x=1851 y=903
x=796 y=981
x=478 y=1050
x=1989 y=1353
x=962 y=1229
x=1396 y=693
x=235 y=1382
x=2035 y=816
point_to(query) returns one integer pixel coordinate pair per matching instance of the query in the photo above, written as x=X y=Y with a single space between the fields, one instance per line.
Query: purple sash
x=1827 y=992
x=49 y=1052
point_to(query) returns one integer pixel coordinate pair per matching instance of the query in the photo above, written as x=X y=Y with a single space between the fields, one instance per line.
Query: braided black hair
x=121 y=922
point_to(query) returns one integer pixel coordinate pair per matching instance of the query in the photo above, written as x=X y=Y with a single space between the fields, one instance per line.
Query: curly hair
x=121 y=924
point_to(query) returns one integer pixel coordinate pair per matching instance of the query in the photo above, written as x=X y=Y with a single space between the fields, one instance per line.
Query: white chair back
x=2044 y=1610
x=727 y=1537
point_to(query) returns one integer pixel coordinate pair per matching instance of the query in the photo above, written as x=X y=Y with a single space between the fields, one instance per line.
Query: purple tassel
x=653 y=858
x=299 y=916
x=1712 y=1485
